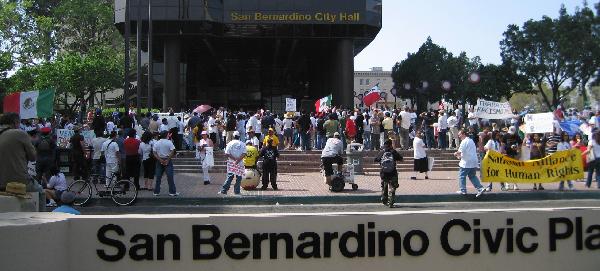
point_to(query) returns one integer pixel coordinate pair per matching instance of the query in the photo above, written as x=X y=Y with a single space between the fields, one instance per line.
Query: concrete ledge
x=355 y=199
x=16 y=204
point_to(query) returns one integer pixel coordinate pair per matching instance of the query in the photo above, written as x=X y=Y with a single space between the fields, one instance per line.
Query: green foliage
x=554 y=52
x=434 y=64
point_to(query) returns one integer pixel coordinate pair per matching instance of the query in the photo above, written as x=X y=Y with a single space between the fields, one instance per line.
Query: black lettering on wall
x=360 y=241
x=289 y=244
x=592 y=242
x=493 y=242
x=237 y=241
x=118 y=245
x=257 y=239
x=554 y=235
x=383 y=235
x=211 y=241
x=147 y=247
x=314 y=244
x=328 y=238
x=521 y=240
x=444 y=237
x=161 y=240
x=408 y=246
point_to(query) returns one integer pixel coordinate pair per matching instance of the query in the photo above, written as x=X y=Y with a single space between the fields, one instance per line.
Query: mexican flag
x=30 y=104
x=323 y=104
x=372 y=96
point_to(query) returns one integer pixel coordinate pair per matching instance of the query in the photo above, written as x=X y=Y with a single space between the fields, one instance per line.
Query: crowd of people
x=128 y=145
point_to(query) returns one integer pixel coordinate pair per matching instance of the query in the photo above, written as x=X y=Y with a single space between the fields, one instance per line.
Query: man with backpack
x=269 y=155
x=45 y=147
x=389 y=175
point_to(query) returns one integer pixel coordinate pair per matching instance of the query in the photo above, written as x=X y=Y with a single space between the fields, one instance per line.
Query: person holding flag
x=372 y=96
x=323 y=104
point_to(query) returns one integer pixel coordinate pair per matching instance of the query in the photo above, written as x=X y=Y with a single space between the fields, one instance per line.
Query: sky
x=472 y=26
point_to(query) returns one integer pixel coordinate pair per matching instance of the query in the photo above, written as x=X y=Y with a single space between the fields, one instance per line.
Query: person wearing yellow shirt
x=388 y=124
x=271 y=136
x=251 y=155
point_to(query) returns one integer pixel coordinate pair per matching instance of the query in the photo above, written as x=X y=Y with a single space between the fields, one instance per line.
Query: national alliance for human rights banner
x=560 y=166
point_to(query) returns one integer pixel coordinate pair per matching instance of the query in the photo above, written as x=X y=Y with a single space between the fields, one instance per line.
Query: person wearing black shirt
x=388 y=178
x=427 y=126
x=304 y=131
x=99 y=123
x=269 y=154
x=358 y=121
x=77 y=156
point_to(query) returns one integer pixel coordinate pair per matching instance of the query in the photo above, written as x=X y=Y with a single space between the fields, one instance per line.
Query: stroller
x=340 y=179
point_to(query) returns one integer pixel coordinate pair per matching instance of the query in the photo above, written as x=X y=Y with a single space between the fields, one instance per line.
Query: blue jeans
x=463 y=173
x=442 y=138
x=429 y=137
x=367 y=140
x=305 y=140
x=321 y=139
x=160 y=169
x=593 y=166
x=227 y=184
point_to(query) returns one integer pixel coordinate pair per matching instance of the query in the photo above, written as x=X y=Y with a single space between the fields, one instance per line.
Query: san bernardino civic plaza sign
x=519 y=239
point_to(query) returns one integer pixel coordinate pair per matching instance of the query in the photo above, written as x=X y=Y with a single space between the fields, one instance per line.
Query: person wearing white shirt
x=367 y=131
x=563 y=145
x=453 y=130
x=97 y=142
x=163 y=151
x=148 y=161
x=467 y=153
x=163 y=126
x=442 y=130
x=235 y=152
x=112 y=156
x=421 y=162
x=405 y=118
x=494 y=144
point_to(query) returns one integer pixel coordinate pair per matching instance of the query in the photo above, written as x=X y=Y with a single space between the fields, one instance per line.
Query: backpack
x=44 y=145
x=388 y=163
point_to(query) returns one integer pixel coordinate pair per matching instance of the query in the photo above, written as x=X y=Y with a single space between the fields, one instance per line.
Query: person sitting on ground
x=332 y=153
x=66 y=199
x=251 y=155
x=56 y=186
x=389 y=174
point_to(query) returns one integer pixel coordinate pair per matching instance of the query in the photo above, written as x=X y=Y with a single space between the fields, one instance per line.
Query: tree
x=74 y=74
x=549 y=51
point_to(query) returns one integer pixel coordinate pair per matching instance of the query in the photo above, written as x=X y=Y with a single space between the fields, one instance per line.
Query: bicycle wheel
x=123 y=192
x=82 y=190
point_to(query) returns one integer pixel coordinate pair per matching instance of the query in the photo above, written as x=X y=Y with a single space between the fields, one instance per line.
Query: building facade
x=246 y=53
x=365 y=80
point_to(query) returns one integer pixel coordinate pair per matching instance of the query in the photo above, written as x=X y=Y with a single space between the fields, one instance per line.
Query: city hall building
x=245 y=53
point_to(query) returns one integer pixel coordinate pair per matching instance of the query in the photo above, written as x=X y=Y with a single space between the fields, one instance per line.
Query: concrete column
x=343 y=78
x=171 y=93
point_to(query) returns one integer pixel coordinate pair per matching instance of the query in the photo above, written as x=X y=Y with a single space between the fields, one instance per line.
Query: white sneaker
x=461 y=192
x=174 y=195
x=480 y=192
x=51 y=203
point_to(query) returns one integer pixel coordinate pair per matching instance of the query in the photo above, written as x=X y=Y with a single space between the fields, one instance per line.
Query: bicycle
x=122 y=192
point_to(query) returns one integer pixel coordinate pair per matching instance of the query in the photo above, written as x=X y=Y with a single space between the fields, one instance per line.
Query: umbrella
x=202 y=108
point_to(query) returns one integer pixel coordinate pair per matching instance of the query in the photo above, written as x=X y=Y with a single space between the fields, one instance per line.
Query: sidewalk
x=309 y=188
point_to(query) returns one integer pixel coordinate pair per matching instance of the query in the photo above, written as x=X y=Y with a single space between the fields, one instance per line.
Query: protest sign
x=493 y=110
x=539 y=123
x=64 y=135
x=290 y=105
x=560 y=166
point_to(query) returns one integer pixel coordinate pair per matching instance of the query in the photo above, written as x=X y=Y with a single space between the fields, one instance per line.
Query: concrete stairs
x=298 y=162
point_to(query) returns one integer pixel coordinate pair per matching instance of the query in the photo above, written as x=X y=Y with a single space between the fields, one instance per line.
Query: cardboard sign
x=493 y=110
x=539 y=123
x=64 y=135
x=290 y=104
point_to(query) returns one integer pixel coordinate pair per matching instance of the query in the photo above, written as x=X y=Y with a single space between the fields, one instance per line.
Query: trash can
x=355 y=154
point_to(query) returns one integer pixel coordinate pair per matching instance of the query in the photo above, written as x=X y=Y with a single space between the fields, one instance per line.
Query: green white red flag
x=30 y=104
x=323 y=104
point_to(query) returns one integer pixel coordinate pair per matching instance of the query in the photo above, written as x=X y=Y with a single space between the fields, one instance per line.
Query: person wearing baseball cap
x=332 y=153
x=67 y=198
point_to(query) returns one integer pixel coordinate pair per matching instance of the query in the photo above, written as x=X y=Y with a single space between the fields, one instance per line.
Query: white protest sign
x=539 y=123
x=63 y=136
x=493 y=110
x=290 y=105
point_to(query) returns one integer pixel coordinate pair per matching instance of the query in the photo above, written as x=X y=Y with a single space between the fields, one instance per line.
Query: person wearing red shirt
x=132 y=158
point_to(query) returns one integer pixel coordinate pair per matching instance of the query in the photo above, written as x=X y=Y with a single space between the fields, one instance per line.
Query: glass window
x=367 y=82
x=362 y=81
